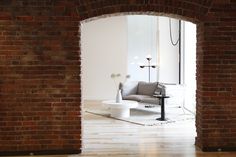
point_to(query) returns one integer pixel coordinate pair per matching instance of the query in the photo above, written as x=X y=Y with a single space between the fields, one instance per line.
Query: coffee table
x=120 y=110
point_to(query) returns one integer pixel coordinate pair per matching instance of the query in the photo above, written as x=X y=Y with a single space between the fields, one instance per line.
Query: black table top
x=161 y=96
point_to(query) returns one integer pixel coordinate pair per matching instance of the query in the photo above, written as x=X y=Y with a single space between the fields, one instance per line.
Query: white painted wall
x=105 y=43
x=104 y=51
x=169 y=62
x=190 y=65
x=142 y=37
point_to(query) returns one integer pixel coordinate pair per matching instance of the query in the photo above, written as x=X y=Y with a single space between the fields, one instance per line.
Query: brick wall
x=39 y=77
x=216 y=94
x=40 y=69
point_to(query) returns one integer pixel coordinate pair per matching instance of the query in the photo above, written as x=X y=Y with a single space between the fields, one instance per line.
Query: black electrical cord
x=171 y=39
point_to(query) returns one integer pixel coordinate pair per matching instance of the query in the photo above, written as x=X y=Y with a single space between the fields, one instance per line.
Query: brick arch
x=40 y=70
x=140 y=13
x=198 y=12
x=189 y=11
x=185 y=10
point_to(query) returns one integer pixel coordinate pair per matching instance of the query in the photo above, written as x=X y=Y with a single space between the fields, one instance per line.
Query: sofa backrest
x=145 y=88
x=129 y=88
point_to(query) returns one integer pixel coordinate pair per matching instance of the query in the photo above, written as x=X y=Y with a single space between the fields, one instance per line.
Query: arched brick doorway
x=43 y=115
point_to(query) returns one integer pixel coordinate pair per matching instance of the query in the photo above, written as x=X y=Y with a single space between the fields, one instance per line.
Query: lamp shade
x=148 y=57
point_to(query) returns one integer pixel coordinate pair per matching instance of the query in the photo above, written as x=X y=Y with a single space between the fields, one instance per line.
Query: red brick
x=39 y=51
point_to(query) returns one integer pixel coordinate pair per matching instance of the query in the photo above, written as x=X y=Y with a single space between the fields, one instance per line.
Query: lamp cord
x=171 y=39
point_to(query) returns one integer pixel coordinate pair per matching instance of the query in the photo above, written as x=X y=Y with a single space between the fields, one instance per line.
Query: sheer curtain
x=142 y=40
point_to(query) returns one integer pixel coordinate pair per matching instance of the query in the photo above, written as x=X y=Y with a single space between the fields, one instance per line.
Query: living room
x=120 y=45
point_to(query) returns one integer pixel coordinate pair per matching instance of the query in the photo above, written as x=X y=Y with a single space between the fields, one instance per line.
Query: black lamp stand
x=149 y=67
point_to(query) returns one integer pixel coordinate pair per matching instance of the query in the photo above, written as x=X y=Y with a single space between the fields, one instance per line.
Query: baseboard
x=41 y=152
x=219 y=149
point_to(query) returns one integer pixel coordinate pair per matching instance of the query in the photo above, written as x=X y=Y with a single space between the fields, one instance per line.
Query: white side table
x=120 y=110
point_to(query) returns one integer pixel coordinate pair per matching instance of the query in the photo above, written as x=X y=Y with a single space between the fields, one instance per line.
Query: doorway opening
x=118 y=46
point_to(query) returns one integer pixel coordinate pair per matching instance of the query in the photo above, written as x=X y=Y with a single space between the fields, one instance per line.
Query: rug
x=147 y=118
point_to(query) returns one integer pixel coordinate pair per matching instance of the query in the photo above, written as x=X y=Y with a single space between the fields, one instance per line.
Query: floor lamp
x=149 y=66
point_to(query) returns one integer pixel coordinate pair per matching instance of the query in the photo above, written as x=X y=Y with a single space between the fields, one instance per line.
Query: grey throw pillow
x=159 y=90
x=145 y=88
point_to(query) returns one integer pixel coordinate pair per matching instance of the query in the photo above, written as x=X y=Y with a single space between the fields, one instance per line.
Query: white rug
x=146 y=118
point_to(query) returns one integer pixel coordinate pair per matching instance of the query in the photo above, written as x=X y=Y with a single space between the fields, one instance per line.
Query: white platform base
x=121 y=109
x=120 y=112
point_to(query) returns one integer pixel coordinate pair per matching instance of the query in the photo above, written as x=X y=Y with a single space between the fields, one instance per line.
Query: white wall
x=142 y=37
x=169 y=54
x=118 y=44
x=104 y=51
x=190 y=65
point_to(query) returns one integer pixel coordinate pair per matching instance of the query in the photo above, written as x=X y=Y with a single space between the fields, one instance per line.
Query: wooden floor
x=105 y=137
x=109 y=137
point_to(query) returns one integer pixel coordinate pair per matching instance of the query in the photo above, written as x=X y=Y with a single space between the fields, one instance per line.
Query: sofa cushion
x=133 y=97
x=145 y=88
x=129 y=88
x=143 y=99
